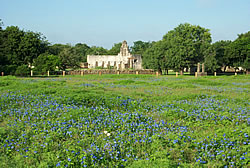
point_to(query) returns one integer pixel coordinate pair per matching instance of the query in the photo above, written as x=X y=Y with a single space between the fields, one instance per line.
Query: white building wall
x=91 y=59
x=122 y=58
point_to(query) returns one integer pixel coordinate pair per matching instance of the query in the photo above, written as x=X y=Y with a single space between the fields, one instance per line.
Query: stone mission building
x=123 y=60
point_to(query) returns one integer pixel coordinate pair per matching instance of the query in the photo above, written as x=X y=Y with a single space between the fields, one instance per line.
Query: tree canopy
x=115 y=49
x=19 y=47
x=46 y=62
x=182 y=47
x=69 y=58
x=186 y=45
x=154 y=57
x=94 y=50
x=140 y=47
x=240 y=51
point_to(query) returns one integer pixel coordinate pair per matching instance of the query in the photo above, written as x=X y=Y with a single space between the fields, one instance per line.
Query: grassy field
x=125 y=121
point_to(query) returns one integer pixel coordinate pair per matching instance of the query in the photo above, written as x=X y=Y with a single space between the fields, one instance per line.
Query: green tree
x=31 y=46
x=154 y=57
x=115 y=49
x=82 y=50
x=186 y=45
x=210 y=61
x=98 y=51
x=3 y=57
x=23 y=47
x=246 y=64
x=22 y=70
x=46 y=62
x=140 y=47
x=55 y=49
x=13 y=39
x=222 y=53
x=69 y=58
x=240 y=51
x=1 y=24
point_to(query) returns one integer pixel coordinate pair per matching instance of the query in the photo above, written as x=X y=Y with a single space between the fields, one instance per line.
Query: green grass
x=153 y=121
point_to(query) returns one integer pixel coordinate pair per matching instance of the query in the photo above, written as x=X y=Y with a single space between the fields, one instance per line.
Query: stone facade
x=110 y=71
x=123 y=60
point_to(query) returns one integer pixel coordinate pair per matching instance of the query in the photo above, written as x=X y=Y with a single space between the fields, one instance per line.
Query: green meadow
x=125 y=121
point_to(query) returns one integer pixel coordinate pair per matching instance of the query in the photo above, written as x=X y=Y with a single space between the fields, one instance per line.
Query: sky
x=105 y=22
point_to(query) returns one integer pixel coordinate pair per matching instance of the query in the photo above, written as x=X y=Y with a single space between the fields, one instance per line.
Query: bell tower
x=124 y=51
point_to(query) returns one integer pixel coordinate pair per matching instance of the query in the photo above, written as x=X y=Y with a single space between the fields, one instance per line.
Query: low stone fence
x=110 y=71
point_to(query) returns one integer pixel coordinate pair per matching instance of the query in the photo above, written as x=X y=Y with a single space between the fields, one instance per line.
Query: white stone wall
x=122 y=59
x=137 y=62
x=91 y=59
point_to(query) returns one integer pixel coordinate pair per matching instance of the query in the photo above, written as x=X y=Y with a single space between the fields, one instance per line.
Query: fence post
x=82 y=73
x=2 y=73
x=235 y=73
x=31 y=73
x=48 y=73
x=100 y=73
x=63 y=73
x=196 y=74
x=176 y=74
x=214 y=73
x=137 y=72
x=157 y=74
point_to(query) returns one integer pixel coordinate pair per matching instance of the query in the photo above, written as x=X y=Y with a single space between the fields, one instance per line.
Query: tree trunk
x=159 y=71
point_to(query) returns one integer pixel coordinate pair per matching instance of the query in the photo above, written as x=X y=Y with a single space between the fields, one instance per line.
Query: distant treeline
x=180 y=48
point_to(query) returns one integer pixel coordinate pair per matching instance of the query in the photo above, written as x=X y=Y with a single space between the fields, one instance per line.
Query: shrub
x=22 y=70
x=8 y=69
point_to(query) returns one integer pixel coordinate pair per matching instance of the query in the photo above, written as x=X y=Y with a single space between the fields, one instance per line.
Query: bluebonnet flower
x=58 y=164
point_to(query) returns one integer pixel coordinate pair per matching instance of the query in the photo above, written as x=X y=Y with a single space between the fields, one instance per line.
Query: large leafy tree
x=1 y=24
x=186 y=45
x=69 y=58
x=115 y=49
x=82 y=50
x=211 y=63
x=140 y=47
x=222 y=53
x=94 y=50
x=13 y=39
x=23 y=47
x=240 y=51
x=55 y=49
x=46 y=62
x=182 y=47
x=154 y=57
x=32 y=45
x=3 y=57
